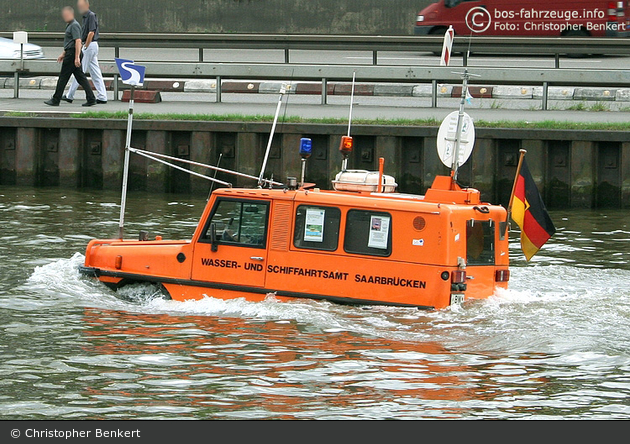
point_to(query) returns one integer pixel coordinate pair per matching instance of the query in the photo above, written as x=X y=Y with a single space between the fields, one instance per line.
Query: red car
x=526 y=18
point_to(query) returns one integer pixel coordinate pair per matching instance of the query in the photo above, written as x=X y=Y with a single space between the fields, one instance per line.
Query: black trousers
x=67 y=70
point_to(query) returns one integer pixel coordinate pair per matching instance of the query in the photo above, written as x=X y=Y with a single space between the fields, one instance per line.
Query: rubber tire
x=576 y=33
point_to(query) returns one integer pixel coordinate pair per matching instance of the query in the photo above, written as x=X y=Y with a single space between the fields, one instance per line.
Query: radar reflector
x=447 y=137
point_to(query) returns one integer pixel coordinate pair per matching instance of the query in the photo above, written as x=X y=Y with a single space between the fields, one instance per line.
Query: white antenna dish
x=447 y=137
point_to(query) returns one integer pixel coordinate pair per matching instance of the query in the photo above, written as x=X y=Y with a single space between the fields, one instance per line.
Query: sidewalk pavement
x=306 y=107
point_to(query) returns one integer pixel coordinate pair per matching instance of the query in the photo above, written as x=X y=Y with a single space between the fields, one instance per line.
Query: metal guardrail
x=369 y=73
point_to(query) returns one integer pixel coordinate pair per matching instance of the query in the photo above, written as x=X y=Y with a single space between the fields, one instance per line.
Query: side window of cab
x=317 y=228
x=238 y=222
x=368 y=233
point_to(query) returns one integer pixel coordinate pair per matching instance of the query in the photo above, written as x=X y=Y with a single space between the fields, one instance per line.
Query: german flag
x=530 y=214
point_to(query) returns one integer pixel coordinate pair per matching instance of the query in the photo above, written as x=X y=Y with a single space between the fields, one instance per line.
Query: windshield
x=452 y=3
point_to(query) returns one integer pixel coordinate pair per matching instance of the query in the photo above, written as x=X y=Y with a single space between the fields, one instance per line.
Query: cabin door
x=233 y=247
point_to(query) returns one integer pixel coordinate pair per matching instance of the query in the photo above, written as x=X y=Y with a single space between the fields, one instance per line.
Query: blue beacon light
x=306 y=147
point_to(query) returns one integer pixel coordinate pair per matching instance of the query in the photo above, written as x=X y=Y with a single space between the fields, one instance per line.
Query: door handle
x=257 y=258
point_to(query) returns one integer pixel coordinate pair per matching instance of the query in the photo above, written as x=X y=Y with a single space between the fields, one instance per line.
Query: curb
x=505 y=92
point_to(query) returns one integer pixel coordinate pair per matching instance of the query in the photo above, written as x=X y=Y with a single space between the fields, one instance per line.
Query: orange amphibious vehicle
x=357 y=247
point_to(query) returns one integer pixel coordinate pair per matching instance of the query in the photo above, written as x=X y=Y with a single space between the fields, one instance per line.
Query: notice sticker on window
x=379 y=232
x=314 y=225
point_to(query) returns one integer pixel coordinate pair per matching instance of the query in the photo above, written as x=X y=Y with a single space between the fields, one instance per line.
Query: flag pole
x=123 y=199
x=521 y=156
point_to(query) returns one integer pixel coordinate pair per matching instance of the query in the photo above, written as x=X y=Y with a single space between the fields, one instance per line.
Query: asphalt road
x=350 y=57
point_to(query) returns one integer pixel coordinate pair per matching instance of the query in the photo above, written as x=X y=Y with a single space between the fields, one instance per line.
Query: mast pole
x=123 y=199
x=273 y=131
x=460 y=124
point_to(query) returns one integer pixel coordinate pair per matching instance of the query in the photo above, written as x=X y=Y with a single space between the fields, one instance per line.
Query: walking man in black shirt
x=70 y=60
x=89 y=36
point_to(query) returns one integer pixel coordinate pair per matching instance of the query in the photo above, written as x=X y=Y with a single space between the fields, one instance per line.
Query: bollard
x=434 y=93
x=545 y=95
x=374 y=58
x=16 y=86
x=219 y=88
x=324 y=91
x=116 y=90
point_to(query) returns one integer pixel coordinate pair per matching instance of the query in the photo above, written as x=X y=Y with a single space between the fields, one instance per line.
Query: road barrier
x=376 y=72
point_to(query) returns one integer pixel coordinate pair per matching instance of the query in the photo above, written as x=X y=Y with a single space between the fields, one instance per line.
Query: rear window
x=317 y=228
x=480 y=242
x=369 y=233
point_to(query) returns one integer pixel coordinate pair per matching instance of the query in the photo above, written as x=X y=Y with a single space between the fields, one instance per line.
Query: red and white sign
x=448 y=45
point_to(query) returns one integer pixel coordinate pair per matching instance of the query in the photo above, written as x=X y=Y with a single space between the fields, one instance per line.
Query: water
x=554 y=345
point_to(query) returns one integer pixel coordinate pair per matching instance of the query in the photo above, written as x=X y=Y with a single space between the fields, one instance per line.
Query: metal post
x=123 y=199
x=324 y=91
x=557 y=60
x=465 y=59
x=16 y=86
x=374 y=58
x=271 y=134
x=460 y=123
x=545 y=95
x=219 y=89
x=200 y=54
x=286 y=55
x=354 y=79
x=116 y=76
x=434 y=93
x=303 y=173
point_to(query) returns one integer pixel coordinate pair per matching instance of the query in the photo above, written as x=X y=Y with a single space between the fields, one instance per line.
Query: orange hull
x=357 y=248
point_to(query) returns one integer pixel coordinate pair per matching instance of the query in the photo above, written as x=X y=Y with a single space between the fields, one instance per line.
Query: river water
x=556 y=344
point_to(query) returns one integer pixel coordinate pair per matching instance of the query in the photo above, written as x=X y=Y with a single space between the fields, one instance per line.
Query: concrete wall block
x=201 y=149
x=48 y=83
x=512 y=92
x=26 y=156
x=393 y=89
x=32 y=83
x=209 y=86
x=112 y=158
x=247 y=156
x=595 y=94
x=426 y=90
x=275 y=87
x=157 y=173
x=483 y=168
x=422 y=90
x=69 y=157
x=554 y=92
x=582 y=174
x=622 y=95
x=2 y=82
